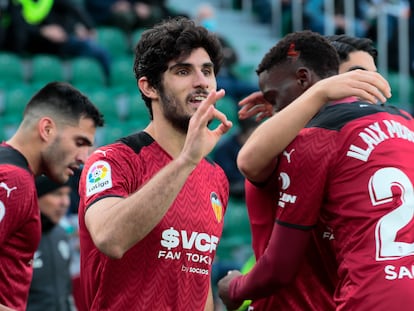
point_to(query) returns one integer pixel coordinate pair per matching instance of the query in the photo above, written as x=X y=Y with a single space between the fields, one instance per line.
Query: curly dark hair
x=313 y=50
x=169 y=40
x=345 y=45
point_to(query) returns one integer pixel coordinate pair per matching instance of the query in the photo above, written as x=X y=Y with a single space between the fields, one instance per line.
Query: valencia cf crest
x=217 y=206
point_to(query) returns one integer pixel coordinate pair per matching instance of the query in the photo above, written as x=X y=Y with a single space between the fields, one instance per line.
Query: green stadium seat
x=136 y=36
x=114 y=40
x=11 y=69
x=46 y=68
x=7 y=128
x=122 y=74
x=15 y=101
x=137 y=109
x=86 y=73
x=105 y=100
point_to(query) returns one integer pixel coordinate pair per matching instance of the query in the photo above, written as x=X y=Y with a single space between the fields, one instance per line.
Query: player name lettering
x=200 y=241
x=399 y=272
x=377 y=133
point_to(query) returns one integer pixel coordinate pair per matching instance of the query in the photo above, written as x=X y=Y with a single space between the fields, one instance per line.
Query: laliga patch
x=217 y=206
x=98 y=178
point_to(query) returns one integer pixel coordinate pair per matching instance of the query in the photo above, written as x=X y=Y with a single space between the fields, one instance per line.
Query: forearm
x=117 y=227
x=256 y=159
x=210 y=301
x=276 y=268
x=5 y=308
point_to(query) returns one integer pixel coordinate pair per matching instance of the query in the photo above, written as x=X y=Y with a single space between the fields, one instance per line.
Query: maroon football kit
x=351 y=170
x=314 y=285
x=170 y=269
x=20 y=229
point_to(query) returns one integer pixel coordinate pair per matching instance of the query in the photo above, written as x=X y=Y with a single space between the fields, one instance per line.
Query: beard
x=55 y=156
x=174 y=113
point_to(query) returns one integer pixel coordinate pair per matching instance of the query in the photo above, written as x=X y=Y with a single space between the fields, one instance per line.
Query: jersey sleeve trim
x=295 y=226
x=103 y=197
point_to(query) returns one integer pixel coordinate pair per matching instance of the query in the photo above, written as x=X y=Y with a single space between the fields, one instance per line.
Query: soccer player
x=350 y=169
x=151 y=205
x=354 y=53
x=54 y=138
x=314 y=285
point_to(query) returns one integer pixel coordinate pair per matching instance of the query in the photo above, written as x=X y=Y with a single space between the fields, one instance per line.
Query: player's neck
x=169 y=138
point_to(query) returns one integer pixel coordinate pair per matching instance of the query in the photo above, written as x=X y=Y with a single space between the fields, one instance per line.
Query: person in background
x=66 y=30
x=129 y=15
x=349 y=183
x=51 y=286
x=354 y=52
x=151 y=205
x=54 y=138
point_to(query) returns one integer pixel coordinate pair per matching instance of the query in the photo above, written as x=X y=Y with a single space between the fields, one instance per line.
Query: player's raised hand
x=200 y=139
x=367 y=85
x=255 y=105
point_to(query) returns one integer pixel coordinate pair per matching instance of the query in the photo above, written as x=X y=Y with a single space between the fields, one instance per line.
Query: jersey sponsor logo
x=202 y=242
x=328 y=235
x=194 y=270
x=197 y=249
x=7 y=188
x=98 y=178
x=376 y=133
x=285 y=197
x=217 y=206
x=288 y=154
x=285 y=180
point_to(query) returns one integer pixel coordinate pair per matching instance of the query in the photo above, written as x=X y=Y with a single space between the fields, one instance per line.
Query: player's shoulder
x=336 y=116
x=123 y=147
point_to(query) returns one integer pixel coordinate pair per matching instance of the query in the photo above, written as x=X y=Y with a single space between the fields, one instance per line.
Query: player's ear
x=147 y=89
x=304 y=77
x=46 y=128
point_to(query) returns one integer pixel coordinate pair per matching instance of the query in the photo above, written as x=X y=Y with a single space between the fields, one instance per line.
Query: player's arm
x=256 y=159
x=209 y=302
x=276 y=268
x=5 y=308
x=117 y=224
x=260 y=204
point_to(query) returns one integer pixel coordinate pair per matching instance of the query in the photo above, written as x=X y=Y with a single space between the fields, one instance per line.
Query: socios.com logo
x=97 y=173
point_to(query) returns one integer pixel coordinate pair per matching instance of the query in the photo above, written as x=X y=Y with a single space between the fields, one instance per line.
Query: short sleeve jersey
x=170 y=269
x=314 y=285
x=20 y=229
x=352 y=169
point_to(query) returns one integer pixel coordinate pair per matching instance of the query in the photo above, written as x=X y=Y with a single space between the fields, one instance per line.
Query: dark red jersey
x=170 y=269
x=20 y=229
x=313 y=287
x=352 y=169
